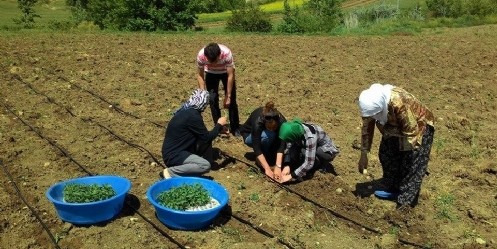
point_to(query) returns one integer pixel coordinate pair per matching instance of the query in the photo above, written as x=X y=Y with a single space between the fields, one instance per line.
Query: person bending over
x=407 y=132
x=260 y=132
x=309 y=147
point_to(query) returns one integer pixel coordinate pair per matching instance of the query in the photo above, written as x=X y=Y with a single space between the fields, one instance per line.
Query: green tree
x=27 y=19
x=135 y=15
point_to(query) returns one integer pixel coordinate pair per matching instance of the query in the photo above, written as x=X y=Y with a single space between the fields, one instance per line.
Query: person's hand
x=222 y=121
x=269 y=173
x=363 y=162
x=277 y=173
x=286 y=178
x=227 y=101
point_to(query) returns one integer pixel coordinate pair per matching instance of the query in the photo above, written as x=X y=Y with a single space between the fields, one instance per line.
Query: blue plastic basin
x=91 y=212
x=187 y=220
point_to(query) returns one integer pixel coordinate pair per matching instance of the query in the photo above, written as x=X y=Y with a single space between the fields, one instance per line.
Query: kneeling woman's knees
x=205 y=167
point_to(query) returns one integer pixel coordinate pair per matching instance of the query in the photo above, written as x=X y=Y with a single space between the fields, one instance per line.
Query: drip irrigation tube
x=113 y=106
x=66 y=154
x=33 y=211
x=341 y=216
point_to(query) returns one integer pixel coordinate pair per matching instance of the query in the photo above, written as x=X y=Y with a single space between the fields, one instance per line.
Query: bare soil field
x=79 y=104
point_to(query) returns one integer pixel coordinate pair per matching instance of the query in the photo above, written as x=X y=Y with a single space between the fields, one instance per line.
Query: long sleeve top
x=254 y=125
x=407 y=120
x=184 y=130
x=314 y=137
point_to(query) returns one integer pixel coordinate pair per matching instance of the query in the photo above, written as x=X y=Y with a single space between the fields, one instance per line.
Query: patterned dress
x=405 y=146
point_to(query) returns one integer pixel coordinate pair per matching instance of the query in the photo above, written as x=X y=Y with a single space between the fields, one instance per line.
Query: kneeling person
x=187 y=146
x=309 y=147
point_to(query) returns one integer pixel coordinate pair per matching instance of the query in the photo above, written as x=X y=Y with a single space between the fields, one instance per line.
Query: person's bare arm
x=231 y=79
x=201 y=78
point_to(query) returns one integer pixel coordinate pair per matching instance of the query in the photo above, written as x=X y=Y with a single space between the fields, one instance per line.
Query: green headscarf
x=292 y=130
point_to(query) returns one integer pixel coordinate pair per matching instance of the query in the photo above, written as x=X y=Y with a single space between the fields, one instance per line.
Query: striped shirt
x=219 y=67
x=407 y=120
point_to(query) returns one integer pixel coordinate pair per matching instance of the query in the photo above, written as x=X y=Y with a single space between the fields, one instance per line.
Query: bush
x=445 y=8
x=377 y=13
x=250 y=18
x=60 y=25
x=458 y=8
x=314 y=16
x=135 y=15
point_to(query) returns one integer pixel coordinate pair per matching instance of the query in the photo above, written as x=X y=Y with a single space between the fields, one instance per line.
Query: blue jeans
x=267 y=139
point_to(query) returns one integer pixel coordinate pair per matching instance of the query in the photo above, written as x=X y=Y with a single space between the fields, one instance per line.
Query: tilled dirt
x=79 y=104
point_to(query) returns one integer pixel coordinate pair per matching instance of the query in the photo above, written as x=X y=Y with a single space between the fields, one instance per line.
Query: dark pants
x=296 y=156
x=212 y=84
x=403 y=171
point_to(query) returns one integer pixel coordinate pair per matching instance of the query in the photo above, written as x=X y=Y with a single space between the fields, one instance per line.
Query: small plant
x=394 y=230
x=83 y=193
x=241 y=186
x=184 y=197
x=233 y=233
x=254 y=197
x=444 y=205
x=439 y=144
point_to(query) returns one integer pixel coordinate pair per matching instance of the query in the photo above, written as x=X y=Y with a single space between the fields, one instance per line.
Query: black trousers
x=403 y=171
x=212 y=84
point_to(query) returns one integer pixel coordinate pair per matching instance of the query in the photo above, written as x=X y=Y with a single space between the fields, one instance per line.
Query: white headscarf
x=373 y=102
x=198 y=100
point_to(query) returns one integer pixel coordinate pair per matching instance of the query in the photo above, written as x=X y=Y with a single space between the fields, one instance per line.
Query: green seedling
x=444 y=205
x=184 y=197
x=83 y=193
x=241 y=186
x=394 y=230
x=254 y=197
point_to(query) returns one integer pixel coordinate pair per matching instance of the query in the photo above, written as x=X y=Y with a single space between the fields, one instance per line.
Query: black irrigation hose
x=343 y=217
x=248 y=164
x=260 y=230
x=263 y=232
x=33 y=211
x=17 y=77
x=113 y=106
x=252 y=166
x=87 y=120
x=54 y=144
x=89 y=173
x=131 y=144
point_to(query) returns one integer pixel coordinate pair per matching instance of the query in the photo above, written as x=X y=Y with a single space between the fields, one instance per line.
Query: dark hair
x=212 y=51
x=270 y=111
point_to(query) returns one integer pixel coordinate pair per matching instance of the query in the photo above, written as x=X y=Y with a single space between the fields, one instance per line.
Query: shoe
x=165 y=174
x=386 y=195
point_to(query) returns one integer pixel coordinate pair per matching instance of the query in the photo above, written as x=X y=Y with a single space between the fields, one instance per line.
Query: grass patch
x=444 y=206
x=233 y=233
x=439 y=144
